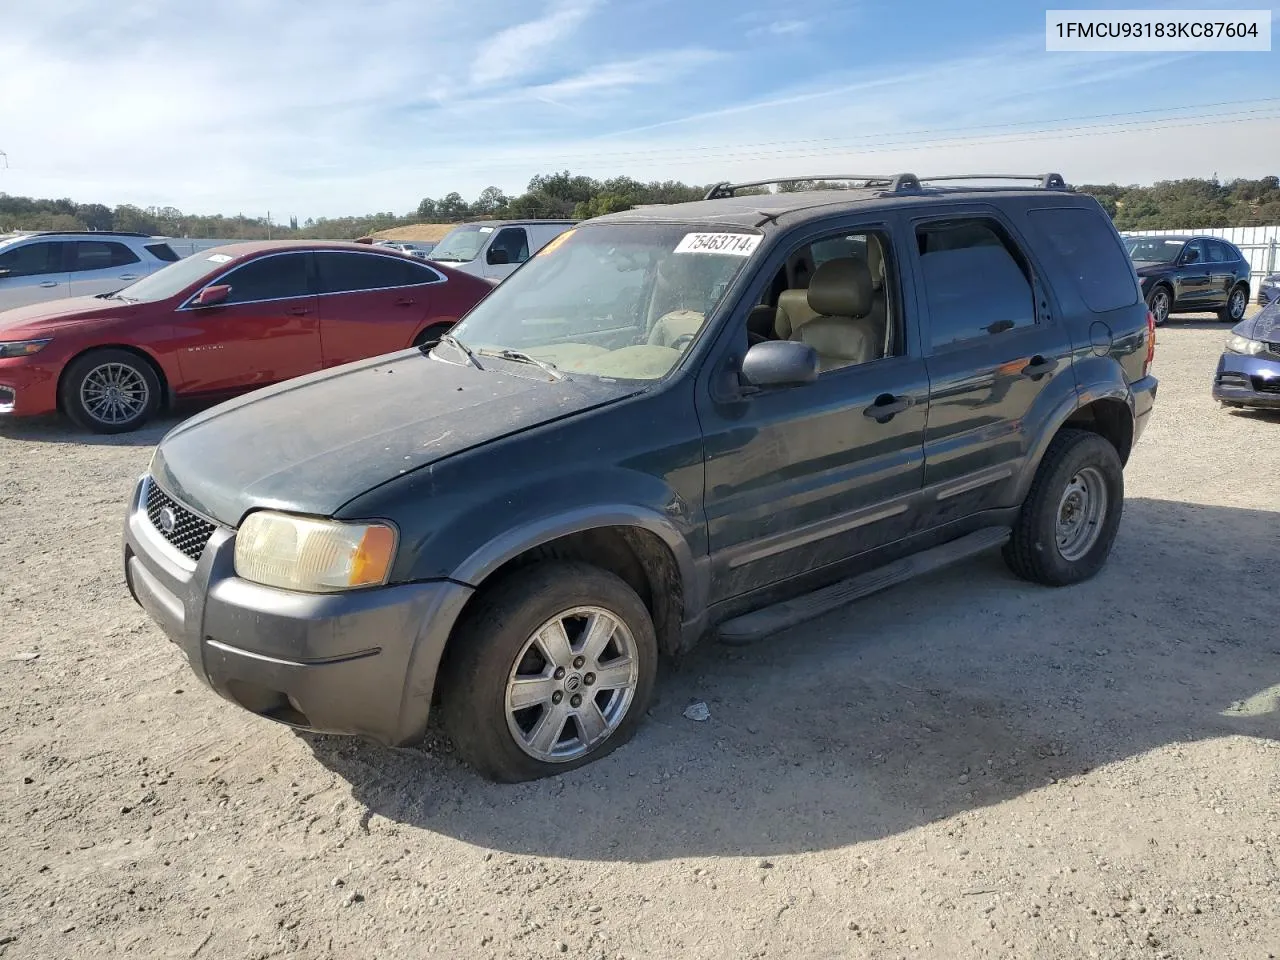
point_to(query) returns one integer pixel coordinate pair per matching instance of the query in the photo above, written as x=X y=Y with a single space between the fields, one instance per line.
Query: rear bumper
x=1144 y=401
x=1250 y=381
x=360 y=663
x=27 y=389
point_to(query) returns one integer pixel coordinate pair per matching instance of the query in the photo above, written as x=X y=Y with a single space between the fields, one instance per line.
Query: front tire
x=1070 y=518
x=1237 y=302
x=1160 y=303
x=110 y=391
x=553 y=668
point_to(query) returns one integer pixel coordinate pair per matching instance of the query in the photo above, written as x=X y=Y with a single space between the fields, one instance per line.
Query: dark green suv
x=714 y=418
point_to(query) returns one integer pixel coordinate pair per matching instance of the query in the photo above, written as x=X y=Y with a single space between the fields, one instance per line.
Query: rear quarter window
x=162 y=251
x=1087 y=248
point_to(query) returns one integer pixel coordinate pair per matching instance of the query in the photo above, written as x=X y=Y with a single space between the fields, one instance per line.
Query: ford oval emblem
x=168 y=520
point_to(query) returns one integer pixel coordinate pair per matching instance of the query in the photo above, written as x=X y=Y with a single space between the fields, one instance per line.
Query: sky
x=314 y=108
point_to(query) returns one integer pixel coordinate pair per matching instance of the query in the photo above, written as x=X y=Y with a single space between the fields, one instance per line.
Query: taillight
x=1151 y=342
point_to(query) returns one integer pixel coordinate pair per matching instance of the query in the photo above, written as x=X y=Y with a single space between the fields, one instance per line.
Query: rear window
x=162 y=251
x=1085 y=245
x=351 y=272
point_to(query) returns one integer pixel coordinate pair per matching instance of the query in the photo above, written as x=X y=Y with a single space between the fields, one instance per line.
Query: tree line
x=1166 y=204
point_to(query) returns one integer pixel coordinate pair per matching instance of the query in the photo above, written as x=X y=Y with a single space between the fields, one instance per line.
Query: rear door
x=33 y=273
x=266 y=331
x=997 y=358
x=101 y=266
x=371 y=303
x=1222 y=274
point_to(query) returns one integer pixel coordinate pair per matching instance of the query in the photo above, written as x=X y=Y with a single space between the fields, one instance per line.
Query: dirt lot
x=966 y=766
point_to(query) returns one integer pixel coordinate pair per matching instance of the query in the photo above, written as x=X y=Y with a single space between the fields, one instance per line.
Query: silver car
x=35 y=267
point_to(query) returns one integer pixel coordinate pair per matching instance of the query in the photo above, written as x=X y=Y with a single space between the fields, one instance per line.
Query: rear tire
x=429 y=337
x=110 y=391
x=1160 y=303
x=1237 y=303
x=581 y=699
x=1071 y=515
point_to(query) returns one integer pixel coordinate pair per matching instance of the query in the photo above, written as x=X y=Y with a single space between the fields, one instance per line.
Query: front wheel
x=1160 y=303
x=553 y=668
x=1233 y=312
x=110 y=391
x=1068 y=523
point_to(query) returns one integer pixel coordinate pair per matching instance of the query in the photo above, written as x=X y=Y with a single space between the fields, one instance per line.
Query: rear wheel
x=1160 y=302
x=110 y=391
x=1070 y=518
x=429 y=337
x=553 y=668
x=1233 y=312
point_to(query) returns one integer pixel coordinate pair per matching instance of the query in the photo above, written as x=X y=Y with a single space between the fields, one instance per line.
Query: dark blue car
x=1249 y=369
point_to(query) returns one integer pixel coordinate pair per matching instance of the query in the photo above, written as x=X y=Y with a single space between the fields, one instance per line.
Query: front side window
x=977 y=283
x=620 y=300
x=351 y=272
x=33 y=259
x=514 y=242
x=274 y=277
x=462 y=244
x=1086 y=248
x=1195 y=253
x=100 y=255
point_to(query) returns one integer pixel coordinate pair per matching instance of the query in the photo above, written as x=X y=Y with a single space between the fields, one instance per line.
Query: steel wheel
x=1236 y=305
x=1080 y=513
x=572 y=684
x=1160 y=304
x=114 y=394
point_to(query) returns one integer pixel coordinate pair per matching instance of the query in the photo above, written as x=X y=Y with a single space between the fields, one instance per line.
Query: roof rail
x=894 y=183
x=86 y=233
x=1047 y=181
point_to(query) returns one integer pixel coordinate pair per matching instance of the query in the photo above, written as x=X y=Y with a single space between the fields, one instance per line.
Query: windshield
x=462 y=244
x=612 y=299
x=1154 y=249
x=172 y=280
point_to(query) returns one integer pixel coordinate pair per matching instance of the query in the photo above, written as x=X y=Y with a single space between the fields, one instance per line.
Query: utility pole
x=268 y=224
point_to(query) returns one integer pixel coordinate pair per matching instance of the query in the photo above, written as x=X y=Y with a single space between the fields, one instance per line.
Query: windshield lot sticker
x=733 y=244
x=486 y=229
x=219 y=258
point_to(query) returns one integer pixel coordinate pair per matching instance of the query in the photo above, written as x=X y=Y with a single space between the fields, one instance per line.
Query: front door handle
x=1038 y=367
x=300 y=311
x=886 y=407
x=405 y=302
x=48 y=283
x=128 y=276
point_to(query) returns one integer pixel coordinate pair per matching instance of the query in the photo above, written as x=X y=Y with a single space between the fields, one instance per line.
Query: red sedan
x=222 y=321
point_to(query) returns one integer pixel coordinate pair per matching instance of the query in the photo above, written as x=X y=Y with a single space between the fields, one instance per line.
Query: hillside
x=415 y=231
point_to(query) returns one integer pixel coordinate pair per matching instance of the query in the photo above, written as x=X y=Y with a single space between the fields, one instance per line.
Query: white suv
x=35 y=267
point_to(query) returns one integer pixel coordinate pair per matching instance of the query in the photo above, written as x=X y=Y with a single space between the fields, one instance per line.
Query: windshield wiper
x=462 y=348
x=517 y=356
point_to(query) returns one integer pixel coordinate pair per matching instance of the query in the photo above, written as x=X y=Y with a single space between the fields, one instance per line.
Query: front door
x=802 y=477
x=997 y=356
x=266 y=331
x=1193 y=277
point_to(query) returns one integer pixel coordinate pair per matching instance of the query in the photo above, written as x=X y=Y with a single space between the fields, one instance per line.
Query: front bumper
x=27 y=388
x=361 y=663
x=1249 y=381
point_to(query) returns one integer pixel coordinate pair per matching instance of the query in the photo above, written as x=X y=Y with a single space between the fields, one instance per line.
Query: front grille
x=1263 y=385
x=187 y=532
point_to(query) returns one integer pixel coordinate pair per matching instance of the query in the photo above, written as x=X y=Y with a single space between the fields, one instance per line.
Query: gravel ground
x=965 y=766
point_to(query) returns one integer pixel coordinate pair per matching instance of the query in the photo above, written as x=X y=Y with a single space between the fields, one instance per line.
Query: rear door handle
x=1038 y=367
x=405 y=302
x=128 y=276
x=48 y=283
x=886 y=407
x=300 y=311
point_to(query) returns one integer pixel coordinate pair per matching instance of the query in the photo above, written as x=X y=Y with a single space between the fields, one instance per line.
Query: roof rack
x=894 y=183
x=1047 y=181
x=87 y=233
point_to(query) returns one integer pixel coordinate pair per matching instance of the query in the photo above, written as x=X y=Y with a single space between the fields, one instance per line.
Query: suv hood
x=311 y=444
x=36 y=318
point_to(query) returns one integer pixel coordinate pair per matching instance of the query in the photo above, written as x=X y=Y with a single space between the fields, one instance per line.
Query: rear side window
x=1219 y=252
x=100 y=255
x=162 y=251
x=271 y=278
x=33 y=259
x=1087 y=248
x=976 y=281
x=350 y=272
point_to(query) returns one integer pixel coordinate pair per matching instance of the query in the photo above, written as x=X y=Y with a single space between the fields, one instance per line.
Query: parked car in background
x=726 y=416
x=1248 y=373
x=493 y=249
x=1191 y=275
x=225 y=320
x=1269 y=289
x=37 y=267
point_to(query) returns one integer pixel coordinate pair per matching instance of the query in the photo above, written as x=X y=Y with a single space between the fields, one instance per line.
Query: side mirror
x=780 y=363
x=212 y=296
x=498 y=256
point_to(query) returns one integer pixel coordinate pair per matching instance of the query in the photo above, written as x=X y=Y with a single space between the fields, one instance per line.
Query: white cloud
x=516 y=51
x=781 y=28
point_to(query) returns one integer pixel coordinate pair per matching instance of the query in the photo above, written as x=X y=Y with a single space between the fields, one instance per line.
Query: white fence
x=1260 y=245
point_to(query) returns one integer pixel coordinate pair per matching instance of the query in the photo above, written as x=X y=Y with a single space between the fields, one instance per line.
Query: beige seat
x=841 y=329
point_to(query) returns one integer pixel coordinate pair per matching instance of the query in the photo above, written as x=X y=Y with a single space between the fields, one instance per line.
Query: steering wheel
x=681 y=342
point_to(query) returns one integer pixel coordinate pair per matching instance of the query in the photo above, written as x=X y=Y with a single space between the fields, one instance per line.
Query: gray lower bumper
x=361 y=663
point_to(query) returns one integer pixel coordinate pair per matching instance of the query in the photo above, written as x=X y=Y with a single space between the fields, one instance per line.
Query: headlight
x=21 y=348
x=314 y=556
x=1239 y=344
